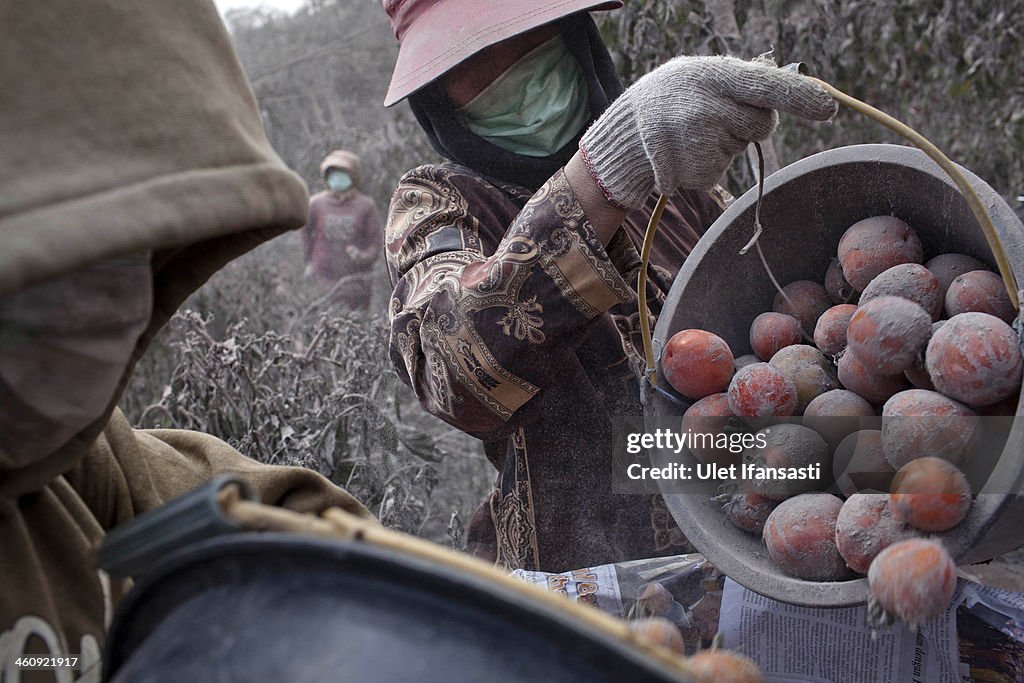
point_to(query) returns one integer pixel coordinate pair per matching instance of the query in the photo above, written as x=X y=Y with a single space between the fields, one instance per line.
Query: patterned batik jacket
x=511 y=321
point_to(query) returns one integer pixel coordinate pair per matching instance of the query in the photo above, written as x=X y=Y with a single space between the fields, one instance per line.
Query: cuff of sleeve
x=613 y=151
x=609 y=197
x=583 y=269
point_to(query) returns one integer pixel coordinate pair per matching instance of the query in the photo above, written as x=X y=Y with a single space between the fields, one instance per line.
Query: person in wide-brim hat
x=514 y=313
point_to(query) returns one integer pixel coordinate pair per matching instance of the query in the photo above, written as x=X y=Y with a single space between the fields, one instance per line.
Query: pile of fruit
x=706 y=666
x=927 y=346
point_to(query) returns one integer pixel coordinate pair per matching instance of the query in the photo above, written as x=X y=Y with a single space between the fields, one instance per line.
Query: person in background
x=343 y=236
x=134 y=166
x=514 y=314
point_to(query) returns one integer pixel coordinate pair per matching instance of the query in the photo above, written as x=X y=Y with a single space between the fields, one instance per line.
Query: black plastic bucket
x=806 y=208
x=254 y=607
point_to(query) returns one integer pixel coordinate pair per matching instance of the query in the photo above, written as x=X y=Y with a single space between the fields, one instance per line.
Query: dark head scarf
x=439 y=119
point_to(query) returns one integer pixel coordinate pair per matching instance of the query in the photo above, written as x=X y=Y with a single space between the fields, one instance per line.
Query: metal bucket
x=287 y=607
x=805 y=210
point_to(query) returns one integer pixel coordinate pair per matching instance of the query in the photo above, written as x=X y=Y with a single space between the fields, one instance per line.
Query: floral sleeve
x=478 y=336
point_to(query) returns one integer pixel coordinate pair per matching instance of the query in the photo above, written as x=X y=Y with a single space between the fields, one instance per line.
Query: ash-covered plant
x=321 y=403
x=261 y=358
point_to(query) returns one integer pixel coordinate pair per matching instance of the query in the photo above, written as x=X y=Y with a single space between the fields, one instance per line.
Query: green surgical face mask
x=338 y=180
x=534 y=108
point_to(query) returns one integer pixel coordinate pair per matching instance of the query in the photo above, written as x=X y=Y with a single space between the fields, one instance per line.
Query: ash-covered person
x=134 y=166
x=343 y=236
x=514 y=314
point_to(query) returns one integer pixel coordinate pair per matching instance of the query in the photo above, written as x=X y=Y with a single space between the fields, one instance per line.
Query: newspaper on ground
x=980 y=637
x=811 y=645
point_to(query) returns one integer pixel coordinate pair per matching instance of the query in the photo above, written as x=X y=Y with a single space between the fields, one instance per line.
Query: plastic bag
x=686 y=589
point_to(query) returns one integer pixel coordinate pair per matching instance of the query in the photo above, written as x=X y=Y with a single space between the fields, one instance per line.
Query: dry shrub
x=260 y=358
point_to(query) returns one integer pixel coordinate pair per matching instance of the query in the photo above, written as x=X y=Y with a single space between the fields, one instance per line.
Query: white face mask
x=64 y=347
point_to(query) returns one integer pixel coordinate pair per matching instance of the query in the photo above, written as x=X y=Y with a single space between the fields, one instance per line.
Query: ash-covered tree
x=948 y=68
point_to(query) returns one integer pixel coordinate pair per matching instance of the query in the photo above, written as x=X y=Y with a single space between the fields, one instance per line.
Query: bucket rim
x=141 y=605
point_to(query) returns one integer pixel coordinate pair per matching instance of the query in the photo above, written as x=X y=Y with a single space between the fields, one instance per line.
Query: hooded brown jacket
x=125 y=127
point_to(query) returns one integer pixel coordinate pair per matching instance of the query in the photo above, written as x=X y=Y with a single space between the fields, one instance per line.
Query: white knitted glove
x=681 y=124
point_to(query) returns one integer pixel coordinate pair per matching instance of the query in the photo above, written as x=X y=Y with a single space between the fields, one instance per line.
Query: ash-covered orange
x=760 y=391
x=866 y=527
x=886 y=333
x=913 y=580
x=810 y=372
x=930 y=494
x=748 y=510
x=830 y=330
x=975 y=358
x=838 y=289
x=979 y=291
x=801 y=537
x=771 y=332
x=697 y=363
x=859 y=465
x=918 y=423
x=836 y=414
x=805 y=300
x=910 y=281
x=874 y=387
x=947 y=267
x=786 y=446
x=710 y=415
x=870 y=246
x=723 y=666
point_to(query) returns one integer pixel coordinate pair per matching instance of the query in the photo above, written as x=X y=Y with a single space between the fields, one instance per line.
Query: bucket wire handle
x=973 y=201
x=641 y=289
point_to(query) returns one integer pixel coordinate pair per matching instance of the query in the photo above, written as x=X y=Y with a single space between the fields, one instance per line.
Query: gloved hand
x=681 y=124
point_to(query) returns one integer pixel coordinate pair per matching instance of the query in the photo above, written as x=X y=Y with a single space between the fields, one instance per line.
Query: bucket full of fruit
x=874 y=325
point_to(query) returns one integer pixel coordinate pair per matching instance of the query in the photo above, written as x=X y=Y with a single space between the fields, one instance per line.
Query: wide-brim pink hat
x=437 y=35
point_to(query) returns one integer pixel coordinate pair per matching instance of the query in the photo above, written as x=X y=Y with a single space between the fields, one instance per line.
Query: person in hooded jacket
x=343 y=236
x=134 y=166
x=514 y=314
